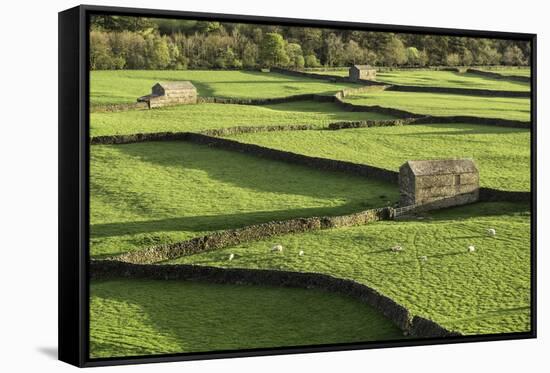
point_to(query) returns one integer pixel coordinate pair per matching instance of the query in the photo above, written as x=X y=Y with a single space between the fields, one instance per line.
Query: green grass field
x=124 y=86
x=512 y=71
x=449 y=79
x=447 y=104
x=502 y=154
x=441 y=78
x=151 y=193
x=486 y=291
x=144 y=317
x=209 y=116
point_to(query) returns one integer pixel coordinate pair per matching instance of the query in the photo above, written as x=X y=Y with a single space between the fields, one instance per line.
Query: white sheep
x=301 y=253
x=491 y=232
x=278 y=248
x=396 y=249
x=423 y=258
x=231 y=256
x=471 y=248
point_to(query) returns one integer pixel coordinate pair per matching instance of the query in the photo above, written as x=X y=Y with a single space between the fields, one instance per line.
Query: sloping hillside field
x=184 y=189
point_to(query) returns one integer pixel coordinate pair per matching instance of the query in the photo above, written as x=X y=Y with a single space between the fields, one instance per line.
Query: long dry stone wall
x=356 y=169
x=119 y=107
x=396 y=313
x=232 y=237
x=409 y=88
x=289 y=157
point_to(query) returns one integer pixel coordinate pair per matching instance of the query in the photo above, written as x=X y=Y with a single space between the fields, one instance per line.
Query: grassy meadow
x=125 y=86
x=501 y=154
x=450 y=79
x=143 y=317
x=211 y=116
x=160 y=192
x=512 y=71
x=447 y=104
x=151 y=193
x=486 y=291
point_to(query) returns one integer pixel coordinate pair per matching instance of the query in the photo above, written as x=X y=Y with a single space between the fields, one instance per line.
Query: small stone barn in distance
x=171 y=93
x=438 y=183
x=362 y=72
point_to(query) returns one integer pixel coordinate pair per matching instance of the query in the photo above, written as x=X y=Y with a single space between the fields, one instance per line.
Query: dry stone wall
x=396 y=313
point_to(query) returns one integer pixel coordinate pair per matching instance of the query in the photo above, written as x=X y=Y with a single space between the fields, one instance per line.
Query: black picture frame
x=74 y=147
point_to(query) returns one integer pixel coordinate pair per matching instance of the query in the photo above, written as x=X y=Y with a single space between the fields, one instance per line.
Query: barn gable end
x=362 y=72
x=171 y=93
x=438 y=183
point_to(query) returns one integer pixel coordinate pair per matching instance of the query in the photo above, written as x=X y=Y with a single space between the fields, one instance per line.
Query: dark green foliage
x=122 y=42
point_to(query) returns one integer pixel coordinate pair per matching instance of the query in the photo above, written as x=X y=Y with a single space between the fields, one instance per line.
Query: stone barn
x=171 y=93
x=362 y=72
x=438 y=183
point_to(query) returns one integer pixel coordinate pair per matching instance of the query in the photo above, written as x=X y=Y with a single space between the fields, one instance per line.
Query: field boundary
x=494 y=74
x=251 y=233
x=346 y=106
x=399 y=315
x=408 y=88
x=323 y=164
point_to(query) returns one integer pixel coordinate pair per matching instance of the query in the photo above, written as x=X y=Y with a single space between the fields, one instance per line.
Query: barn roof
x=363 y=67
x=441 y=167
x=182 y=84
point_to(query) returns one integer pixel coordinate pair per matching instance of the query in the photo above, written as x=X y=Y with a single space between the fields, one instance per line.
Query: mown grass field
x=210 y=116
x=487 y=291
x=151 y=193
x=124 y=86
x=501 y=154
x=143 y=317
x=447 y=104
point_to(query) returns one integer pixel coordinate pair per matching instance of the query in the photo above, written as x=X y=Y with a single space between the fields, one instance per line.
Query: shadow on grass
x=214 y=222
x=210 y=317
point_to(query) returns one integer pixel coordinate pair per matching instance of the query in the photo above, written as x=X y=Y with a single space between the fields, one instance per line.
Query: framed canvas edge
x=74 y=296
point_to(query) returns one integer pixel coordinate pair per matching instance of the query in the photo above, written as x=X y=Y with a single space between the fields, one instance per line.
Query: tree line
x=118 y=42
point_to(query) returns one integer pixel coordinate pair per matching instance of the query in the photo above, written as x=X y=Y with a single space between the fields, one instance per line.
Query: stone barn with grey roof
x=362 y=72
x=438 y=183
x=171 y=93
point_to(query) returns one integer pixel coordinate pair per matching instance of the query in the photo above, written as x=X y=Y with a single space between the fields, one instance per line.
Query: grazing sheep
x=423 y=258
x=278 y=248
x=471 y=248
x=231 y=256
x=491 y=232
x=301 y=253
x=396 y=249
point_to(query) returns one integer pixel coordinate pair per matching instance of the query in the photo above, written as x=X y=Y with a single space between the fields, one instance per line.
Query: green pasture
x=159 y=192
x=442 y=78
x=501 y=154
x=450 y=79
x=124 y=86
x=210 y=116
x=447 y=104
x=480 y=292
x=511 y=71
x=147 y=317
